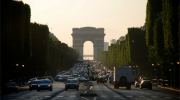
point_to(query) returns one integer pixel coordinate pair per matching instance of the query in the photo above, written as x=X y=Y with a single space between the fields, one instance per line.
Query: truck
x=123 y=77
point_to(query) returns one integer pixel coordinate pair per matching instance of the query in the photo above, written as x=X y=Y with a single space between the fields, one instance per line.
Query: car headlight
x=38 y=85
x=49 y=85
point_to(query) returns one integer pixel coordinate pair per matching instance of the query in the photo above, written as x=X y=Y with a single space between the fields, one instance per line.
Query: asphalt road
x=104 y=92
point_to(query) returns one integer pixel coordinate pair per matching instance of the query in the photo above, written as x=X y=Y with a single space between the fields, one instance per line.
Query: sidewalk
x=171 y=88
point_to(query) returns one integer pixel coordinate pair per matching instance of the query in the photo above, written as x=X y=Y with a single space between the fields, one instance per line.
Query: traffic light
x=169 y=69
x=155 y=69
x=88 y=66
x=134 y=70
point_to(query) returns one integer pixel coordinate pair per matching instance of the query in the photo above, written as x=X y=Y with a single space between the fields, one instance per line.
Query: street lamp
x=22 y=65
x=178 y=62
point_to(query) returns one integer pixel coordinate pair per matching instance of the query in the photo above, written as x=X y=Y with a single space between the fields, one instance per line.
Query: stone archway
x=95 y=35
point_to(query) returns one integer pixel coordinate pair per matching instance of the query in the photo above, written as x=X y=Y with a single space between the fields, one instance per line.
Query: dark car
x=33 y=85
x=44 y=84
x=145 y=84
x=72 y=84
x=49 y=77
x=136 y=84
x=32 y=79
x=86 y=76
x=100 y=79
x=10 y=87
x=63 y=78
x=91 y=78
x=57 y=77
x=82 y=79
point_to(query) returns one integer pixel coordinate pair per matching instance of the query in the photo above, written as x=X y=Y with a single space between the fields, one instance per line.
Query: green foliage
x=127 y=52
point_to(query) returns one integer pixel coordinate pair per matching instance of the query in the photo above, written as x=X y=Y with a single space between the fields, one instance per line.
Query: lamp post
x=136 y=71
x=17 y=72
x=172 y=69
x=153 y=68
x=177 y=74
x=158 y=70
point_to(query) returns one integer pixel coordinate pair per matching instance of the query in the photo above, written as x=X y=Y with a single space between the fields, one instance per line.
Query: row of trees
x=27 y=49
x=132 y=51
x=157 y=47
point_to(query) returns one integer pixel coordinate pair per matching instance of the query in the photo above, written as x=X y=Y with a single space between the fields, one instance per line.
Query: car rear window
x=71 y=81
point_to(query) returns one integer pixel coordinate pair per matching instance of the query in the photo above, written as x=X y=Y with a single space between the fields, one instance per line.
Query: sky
x=61 y=16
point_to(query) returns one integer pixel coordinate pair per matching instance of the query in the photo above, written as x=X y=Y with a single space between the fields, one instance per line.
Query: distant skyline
x=61 y=16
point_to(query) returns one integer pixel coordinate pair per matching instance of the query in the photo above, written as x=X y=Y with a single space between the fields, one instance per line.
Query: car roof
x=72 y=79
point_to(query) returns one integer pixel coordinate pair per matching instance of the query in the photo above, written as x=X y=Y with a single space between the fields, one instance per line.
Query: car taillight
x=97 y=80
x=116 y=82
x=103 y=80
x=137 y=83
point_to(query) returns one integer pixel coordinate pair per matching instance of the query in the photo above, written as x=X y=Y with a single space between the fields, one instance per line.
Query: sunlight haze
x=61 y=16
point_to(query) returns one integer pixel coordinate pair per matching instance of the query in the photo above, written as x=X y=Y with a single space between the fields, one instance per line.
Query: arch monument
x=83 y=34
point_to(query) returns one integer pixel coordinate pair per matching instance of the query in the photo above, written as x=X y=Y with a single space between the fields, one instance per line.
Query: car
x=44 y=84
x=32 y=79
x=136 y=84
x=10 y=87
x=33 y=85
x=63 y=78
x=82 y=79
x=100 y=79
x=60 y=78
x=75 y=75
x=154 y=81
x=72 y=84
x=145 y=84
x=91 y=78
x=86 y=76
x=57 y=77
x=111 y=77
x=49 y=77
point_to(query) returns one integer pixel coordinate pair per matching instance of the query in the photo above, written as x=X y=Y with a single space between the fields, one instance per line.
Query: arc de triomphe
x=83 y=34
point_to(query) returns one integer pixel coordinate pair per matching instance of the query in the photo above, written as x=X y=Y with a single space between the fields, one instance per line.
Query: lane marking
x=60 y=96
x=73 y=96
x=84 y=98
x=129 y=96
x=47 y=96
x=103 y=96
x=117 y=96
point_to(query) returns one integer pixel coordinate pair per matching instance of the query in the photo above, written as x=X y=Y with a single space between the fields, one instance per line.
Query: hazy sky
x=115 y=16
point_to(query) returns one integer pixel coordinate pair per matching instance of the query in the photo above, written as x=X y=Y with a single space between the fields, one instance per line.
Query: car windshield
x=47 y=81
x=71 y=81
x=10 y=84
x=32 y=79
x=34 y=82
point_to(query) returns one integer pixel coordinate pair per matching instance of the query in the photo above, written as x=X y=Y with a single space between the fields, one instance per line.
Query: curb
x=177 y=90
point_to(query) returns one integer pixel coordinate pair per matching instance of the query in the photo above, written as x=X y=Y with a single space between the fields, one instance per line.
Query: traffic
x=118 y=83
